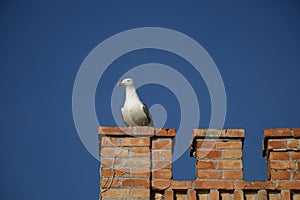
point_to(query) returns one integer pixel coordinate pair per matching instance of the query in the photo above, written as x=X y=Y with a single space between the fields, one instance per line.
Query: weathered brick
x=254 y=185
x=233 y=153
x=233 y=174
x=296 y=175
x=293 y=144
x=169 y=195
x=230 y=164
x=214 y=194
x=160 y=164
x=162 y=144
x=117 y=151
x=277 y=144
x=213 y=154
x=140 y=193
x=164 y=174
x=162 y=155
x=135 y=162
x=136 y=142
x=161 y=184
x=262 y=195
x=115 y=193
x=203 y=184
x=204 y=174
x=114 y=172
x=206 y=165
x=229 y=145
x=280 y=175
x=143 y=151
x=140 y=172
x=136 y=183
x=181 y=184
x=191 y=195
x=206 y=144
x=225 y=196
x=282 y=165
x=110 y=142
x=295 y=156
x=296 y=132
x=238 y=195
x=110 y=183
x=279 y=155
x=285 y=195
x=277 y=132
x=290 y=185
x=273 y=196
x=110 y=162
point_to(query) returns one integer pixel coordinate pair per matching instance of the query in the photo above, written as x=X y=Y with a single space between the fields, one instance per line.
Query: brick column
x=281 y=148
x=125 y=162
x=218 y=154
x=162 y=150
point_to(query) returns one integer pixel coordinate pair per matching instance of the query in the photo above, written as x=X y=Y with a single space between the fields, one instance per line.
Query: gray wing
x=146 y=111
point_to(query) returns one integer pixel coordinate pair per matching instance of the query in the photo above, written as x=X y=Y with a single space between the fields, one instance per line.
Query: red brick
x=204 y=174
x=296 y=175
x=238 y=195
x=214 y=194
x=109 y=183
x=254 y=185
x=136 y=162
x=136 y=183
x=192 y=195
x=276 y=144
x=140 y=172
x=116 y=151
x=163 y=132
x=285 y=195
x=233 y=133
x=282 y=165
x=295 y=156
x=181 y=184
x=162 y=155
x=110 y=142
x=230 y=164
x=207 y=144
x=161 y=184
x=114 y=172
x=279 y=155
x=163 y=174
x=293 y=144
x=160 y=164
x=115 y=193
x=277 y=132
x=206 y=165
x=233 y=153
x=202 y=184
x=201 y=154
x=144 y=151
x=291 y=185
x=280 y=175
x=136 y=142
x=110 y=162
x=233 y=174
x=162 y=144
x=169 y=195
x=140 y=193
x=296 y=132
x=229 y=145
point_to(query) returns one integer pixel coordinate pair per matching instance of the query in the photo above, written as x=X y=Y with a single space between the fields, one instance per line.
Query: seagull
x=134 y=112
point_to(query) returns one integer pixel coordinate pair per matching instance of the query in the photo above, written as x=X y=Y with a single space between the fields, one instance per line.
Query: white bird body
x=134 y=112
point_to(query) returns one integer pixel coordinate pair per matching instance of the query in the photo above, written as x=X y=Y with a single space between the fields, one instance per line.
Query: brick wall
x=136 y=163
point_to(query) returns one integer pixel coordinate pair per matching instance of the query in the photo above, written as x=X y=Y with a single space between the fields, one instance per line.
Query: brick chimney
x=218 y=154
x=281 y=147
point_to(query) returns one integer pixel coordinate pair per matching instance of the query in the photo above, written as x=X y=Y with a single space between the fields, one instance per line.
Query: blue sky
x=256 y=46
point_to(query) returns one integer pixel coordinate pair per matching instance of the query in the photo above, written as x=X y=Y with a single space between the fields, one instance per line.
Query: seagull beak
x=120 y=84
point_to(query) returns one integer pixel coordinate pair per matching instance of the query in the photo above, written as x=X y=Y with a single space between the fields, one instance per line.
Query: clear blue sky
x=256 y=46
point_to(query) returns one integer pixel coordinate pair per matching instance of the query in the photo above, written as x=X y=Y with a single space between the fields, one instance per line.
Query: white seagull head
x=127 y=82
